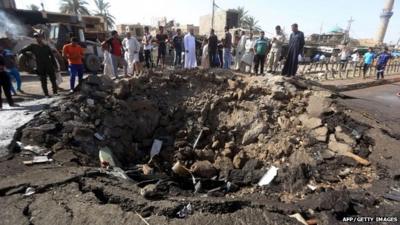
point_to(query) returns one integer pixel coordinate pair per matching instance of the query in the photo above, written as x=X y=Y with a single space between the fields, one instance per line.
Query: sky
x=311 y=15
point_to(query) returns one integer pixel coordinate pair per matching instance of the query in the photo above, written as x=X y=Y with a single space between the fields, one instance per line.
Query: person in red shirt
x=117 y=56
x=74 y=54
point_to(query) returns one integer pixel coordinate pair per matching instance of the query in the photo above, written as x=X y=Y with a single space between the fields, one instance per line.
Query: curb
x=350 y=87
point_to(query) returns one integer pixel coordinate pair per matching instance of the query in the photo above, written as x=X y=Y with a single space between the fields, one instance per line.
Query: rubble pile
x=227 y=130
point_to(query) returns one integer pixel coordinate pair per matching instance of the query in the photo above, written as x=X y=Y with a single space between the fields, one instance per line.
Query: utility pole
x=386 y=14
x=213 y=12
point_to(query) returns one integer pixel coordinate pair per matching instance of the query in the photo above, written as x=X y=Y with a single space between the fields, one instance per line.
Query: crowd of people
x=240 y=51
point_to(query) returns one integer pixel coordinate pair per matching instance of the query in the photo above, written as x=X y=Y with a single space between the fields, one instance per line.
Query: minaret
x=385 y=17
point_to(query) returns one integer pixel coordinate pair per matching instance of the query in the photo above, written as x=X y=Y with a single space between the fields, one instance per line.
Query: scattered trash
x=31 y=148
x=299 y=218
x=90 y=101
x=187 y=210
x=106 y=157
x=198 y=137
x=99 y=136
x=269 y=176
x=312 y=187
x=38 y=160
x=29 y=191
x=118 y=172
x=147 y=170
x=144 y=221
x=155 y=148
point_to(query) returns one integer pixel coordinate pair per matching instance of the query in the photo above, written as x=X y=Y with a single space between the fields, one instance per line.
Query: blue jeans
x=227 y=58
x=178 y=57
x=75 y=69
x=14 y=73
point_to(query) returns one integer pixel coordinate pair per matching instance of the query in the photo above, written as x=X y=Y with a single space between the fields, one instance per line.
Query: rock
x=252 y=164
x=321 y=134
x=283 y=122
x=317 y=106
x=232 y=84
x=150 y=191
x=203 y=169
x=310 y=123
x=360 y=179
x=338 y=147
x=215 y=144
x=301 y=157
x=337 y=201
x=279 y=93
x=224 y=165
x=240 y=160
x=227 y=152
x=122 y=90
x=205 y=154
x=82 y=134
x=251 y=135
x=343 y=136
x=327 y=154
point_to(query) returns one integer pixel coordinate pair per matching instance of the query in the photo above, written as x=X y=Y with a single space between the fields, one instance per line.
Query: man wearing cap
x=46 y=64
x=74 y=54
x=117 y=56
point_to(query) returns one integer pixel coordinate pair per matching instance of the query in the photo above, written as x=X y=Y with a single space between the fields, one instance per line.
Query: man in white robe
x=240 y=51
x=190 y=50
x=132 y=47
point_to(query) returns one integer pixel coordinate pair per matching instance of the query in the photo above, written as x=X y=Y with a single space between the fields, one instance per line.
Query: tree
x=33 y=7
x=102 y=10
x=251 y=23
x=74 y=7
x=242 y=15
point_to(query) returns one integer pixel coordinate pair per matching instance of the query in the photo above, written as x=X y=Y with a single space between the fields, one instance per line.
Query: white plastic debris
x=187 y=210
x=155 y=148
x=299 y=218
x=269 y=176
x=31 y=148
x=312 y=187
x=29 y=191
x=37 y=160
x=106 y=157
x=118 y=172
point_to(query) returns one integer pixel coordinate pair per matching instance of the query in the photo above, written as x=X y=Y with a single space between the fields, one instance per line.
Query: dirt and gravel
x=333 y=162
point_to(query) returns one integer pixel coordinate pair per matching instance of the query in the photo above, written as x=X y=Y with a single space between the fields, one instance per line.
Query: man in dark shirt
x=117 y=56
x=296 y=48
x=162 y=40
x=5 y=83
x=212 y=49
x=178 y=45
x=45 y=63
x=11 y=68
x=227 y=48
x=381 y=63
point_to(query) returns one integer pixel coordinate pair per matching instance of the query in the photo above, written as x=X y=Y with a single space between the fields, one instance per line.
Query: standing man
x=177 y=42
x=162 y=40
x=147 y=47
x=260 y=47
x=46 y=64
x=132 y=48
x=74 y=53
x=276 y=50
x=381 y=63
x=248 y=57
x=240 y=50
x=190 y=50
x=117 y=56
x=11 y=68
x=212 y=49
x=5 y=83
x=227 y=51
x=344 y=56
x=296 y=47
x=368 y=60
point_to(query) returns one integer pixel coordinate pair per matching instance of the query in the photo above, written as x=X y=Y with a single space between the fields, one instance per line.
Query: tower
x=385 y=17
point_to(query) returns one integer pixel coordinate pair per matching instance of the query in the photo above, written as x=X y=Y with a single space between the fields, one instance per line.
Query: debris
x=180 y=169
x=99 y=136
x=394 y=196
x=155 y=148
x=144 y=221
x=118 y=172
x=203 y=169
x=310 y=122
x=299 y=218
x=269 y=176
x=147 y=170
x=90 y=101
x=187 y=210
x=198 y=137
x=31 y=148
x=106 y=157
x=345 y=150
x=29 y=191
x=312 y=187
x=38 y=160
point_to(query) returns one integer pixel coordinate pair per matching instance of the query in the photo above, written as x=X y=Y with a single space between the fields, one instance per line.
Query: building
x=186 y=28
x=9 y=4
x=228 y=18
x=134 y=29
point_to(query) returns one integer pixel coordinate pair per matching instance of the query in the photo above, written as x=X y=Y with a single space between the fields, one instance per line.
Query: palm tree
x=251 y=23
x=74 y=7
x=33 y=7
x=242 y=14
x=102 y=10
